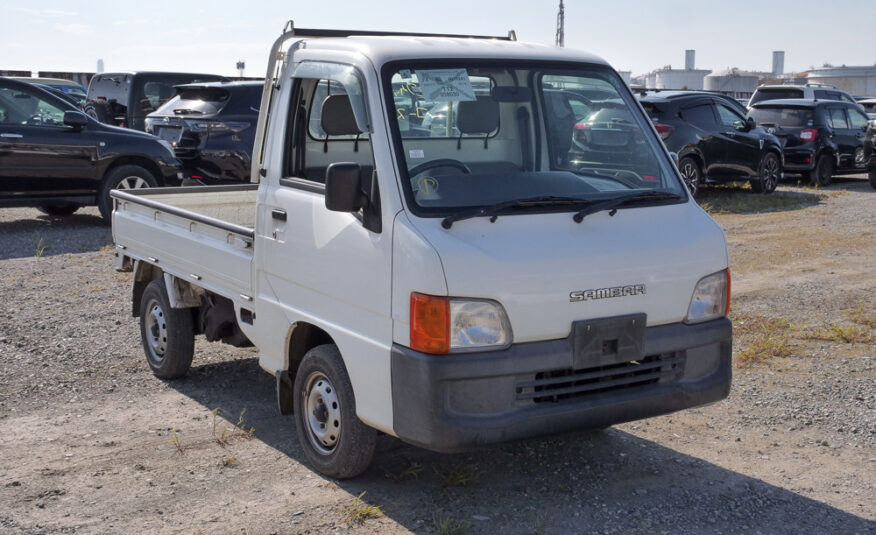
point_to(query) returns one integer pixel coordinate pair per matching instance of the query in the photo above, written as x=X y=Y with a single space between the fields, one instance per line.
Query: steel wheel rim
x=770 y=173
x=322 y=413
x=156 y=330
x=132 y=182
x=689 y=175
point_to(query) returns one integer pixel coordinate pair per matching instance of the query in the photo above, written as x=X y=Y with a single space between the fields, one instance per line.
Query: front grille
x=560 y=385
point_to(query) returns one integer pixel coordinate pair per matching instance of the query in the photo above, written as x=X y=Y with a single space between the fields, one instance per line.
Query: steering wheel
x=441 y=162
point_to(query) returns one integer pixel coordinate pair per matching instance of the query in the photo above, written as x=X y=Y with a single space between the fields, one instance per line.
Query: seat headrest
x=479 y=116
x=337 y=116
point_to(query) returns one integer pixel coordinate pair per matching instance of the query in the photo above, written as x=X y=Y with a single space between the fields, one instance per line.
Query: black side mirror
x=76 y=119
x=750 y=124
x=343 y=188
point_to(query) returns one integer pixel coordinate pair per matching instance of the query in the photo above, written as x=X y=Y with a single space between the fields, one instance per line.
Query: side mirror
x=343 y=188
x=76 y=119
x=750 y=124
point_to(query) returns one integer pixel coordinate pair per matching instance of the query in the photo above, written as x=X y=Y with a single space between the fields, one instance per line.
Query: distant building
x=859 y=81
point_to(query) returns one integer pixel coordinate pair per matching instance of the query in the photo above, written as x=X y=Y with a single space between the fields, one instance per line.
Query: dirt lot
x=90 y=442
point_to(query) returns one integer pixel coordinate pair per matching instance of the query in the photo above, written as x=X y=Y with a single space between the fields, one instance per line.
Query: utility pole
x=561 y=22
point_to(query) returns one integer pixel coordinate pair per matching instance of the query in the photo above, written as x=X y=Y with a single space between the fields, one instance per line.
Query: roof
x=382 y=49
x=672 y=95
x=798 y=102
x=46 y=81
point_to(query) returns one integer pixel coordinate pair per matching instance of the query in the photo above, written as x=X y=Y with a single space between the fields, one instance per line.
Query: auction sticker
x=445 y=85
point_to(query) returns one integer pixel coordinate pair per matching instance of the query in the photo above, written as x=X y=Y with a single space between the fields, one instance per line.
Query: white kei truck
x=453 y=240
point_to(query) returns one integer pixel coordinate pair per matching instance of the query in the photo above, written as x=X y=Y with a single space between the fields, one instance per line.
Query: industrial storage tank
x=668 y=78
x=859 y=81
x=734 y=82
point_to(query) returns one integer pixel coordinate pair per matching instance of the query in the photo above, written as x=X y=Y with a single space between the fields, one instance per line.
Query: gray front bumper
x=456 y=402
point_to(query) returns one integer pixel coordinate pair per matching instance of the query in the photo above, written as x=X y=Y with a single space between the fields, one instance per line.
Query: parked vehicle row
x=56 y=158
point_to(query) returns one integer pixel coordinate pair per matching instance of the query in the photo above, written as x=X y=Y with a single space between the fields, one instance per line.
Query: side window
x=19 y=107
x=324 y=88
x=701 y=115
x=857 y=119
x=844 y=97
x=837 y=118
x=728 y=116
x=154 y=95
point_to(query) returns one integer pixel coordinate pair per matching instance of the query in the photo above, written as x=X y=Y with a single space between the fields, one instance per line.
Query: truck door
x=39 y=154
x=322 y=267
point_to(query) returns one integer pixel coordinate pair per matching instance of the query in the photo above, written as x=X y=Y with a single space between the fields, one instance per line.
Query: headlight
x=168 y=146
x=443 y=325
x=711 y=298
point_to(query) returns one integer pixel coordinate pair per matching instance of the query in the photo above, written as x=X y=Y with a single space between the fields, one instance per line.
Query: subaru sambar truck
x=421 y=252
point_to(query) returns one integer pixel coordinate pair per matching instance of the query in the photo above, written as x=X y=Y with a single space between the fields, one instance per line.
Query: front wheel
x=122 y=177
x=823 y=172
x=168 y=334
x=334 y=440
x=767 y=174
x=691 y=174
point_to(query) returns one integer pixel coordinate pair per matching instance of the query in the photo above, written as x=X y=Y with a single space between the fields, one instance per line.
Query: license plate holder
x=605 y=341
x=170 y=133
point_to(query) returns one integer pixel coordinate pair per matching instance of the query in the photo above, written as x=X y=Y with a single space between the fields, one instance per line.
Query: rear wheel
x=691 y=174
x=98 y=111
x=58 y=210
x=823 y=172
x=168 y=334
x=333 y=438
x=767 y=174
x=122 y=177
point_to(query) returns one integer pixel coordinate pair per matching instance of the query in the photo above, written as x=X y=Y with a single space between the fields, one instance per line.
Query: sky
x=633 y=35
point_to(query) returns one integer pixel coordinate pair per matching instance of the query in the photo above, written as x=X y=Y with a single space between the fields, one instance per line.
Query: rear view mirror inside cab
x=510 y=93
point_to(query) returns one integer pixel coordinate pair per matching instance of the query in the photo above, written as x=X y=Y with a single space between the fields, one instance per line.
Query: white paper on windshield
x=445 y=85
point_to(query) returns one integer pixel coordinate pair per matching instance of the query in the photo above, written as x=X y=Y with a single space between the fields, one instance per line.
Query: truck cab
x=422 y=257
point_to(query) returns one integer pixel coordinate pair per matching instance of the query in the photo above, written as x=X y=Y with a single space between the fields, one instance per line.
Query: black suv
x=714 y=141
x=212 y=128
x=821 y=138
x=126 y=98
x=54 y=157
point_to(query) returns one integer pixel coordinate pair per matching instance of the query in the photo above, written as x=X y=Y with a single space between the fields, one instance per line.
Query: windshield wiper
x=493 y=210
x=614 y=202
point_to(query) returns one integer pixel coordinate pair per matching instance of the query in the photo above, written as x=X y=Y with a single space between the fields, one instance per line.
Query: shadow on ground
x=603 y=482
x=731 y=200
x=37 y=235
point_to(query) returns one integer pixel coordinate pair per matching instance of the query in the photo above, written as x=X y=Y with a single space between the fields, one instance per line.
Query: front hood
x=531 y=263
x=121 y=131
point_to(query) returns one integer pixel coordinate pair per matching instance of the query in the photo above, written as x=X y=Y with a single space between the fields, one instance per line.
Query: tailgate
x=200 y=234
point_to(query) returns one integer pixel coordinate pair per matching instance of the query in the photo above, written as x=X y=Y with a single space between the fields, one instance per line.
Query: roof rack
x=313 y=32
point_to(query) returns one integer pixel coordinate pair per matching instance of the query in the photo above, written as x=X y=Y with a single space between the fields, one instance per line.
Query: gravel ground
x=91 y=442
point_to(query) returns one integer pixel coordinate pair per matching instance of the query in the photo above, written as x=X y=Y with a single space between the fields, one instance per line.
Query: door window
x=857 y=119
x=701 y=115
x=20 y=107
x=728 y=116
x=837 y=118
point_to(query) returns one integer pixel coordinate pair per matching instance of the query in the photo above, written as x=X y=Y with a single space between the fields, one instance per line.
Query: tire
x=333 y=438
x=98 y=111
x=691 y=174
x=122 y=177
x=58 y=210
x=873 y=179
x=823 y=172
x=168 y=334
x=767 y=174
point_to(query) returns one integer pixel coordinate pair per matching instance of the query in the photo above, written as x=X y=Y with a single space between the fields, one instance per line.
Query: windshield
x=783 y=116
x=477 y=134
x=775 y=94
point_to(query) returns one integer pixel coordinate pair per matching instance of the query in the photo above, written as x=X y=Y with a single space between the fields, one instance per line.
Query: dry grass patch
x=762 y=338
x=359 y=512
x=745 y=201
x=863 y=315
x=460 y=476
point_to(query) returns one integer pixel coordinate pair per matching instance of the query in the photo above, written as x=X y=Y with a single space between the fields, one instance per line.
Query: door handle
x=278 y=214
x=11 y=136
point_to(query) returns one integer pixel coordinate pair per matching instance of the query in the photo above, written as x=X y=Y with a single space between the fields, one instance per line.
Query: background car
x=804 y=91
x=714 y=141
x=820 y=138
x=55 y=158
x=69 y=88
x=869 y=105
x=211 y=127
x=126 y=98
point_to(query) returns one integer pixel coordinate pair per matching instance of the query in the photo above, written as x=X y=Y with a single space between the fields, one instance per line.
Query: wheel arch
x=140 y=161
x=301 y=338
x=144 y=273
